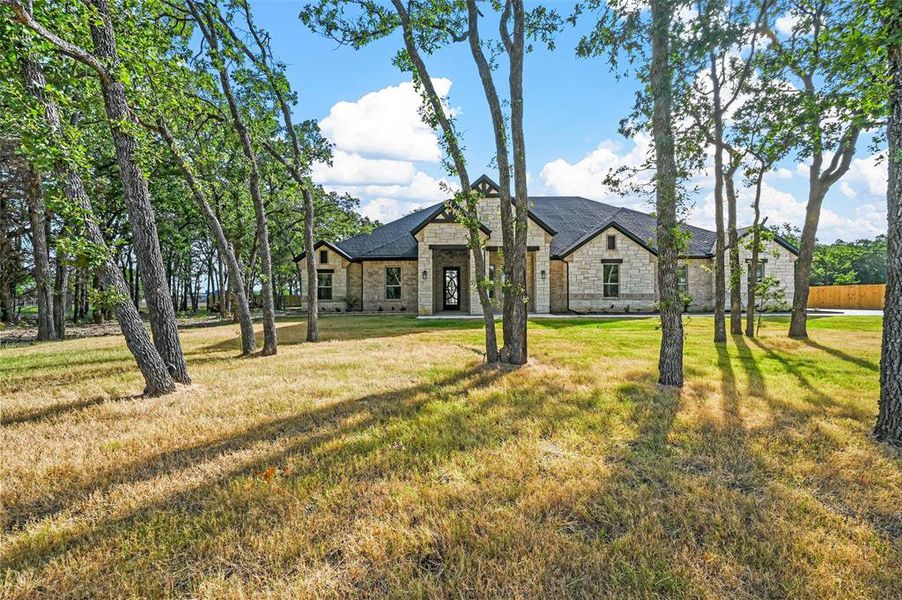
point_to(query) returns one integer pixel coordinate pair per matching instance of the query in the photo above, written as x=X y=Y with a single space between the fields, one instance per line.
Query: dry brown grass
x=385 y=461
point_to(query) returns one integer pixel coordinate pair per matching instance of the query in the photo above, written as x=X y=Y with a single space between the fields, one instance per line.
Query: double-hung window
x=683 y=279
x=759 y=275
x=393 y=283
x=324 y=285
x=611 y=280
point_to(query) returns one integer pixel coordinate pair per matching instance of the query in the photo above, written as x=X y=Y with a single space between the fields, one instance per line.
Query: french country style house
x=583 y=257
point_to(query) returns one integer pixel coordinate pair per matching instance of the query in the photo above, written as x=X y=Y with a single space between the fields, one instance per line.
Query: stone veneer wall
x=700 y=280
x=558 y=282
x=339 y=267
x=637 y=275
x=450 y=258
x=780 y=262
x=374 y=286
x=354 y=296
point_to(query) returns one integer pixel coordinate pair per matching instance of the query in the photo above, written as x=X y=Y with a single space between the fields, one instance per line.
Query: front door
x=452 y=288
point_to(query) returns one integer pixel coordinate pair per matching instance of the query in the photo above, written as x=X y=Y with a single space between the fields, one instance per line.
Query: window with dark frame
x=612 y=242
x=324 y=286
x=760 y=274
x=683 y=279
x=610 y=287
x=393 y=283
x=323 y=257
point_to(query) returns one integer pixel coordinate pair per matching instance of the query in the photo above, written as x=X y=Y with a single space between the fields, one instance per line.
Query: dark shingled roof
x=392 y=240
x=575 y=221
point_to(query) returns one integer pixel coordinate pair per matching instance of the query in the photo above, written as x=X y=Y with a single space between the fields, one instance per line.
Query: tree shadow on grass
x=394 y=434
x=53 y=410
x=856 y=360
x=392 y=404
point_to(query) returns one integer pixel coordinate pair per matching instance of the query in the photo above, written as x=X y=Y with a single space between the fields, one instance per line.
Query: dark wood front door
x=451 y=285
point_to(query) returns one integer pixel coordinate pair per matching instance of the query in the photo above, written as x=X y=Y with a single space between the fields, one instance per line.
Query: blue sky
x=385 y=156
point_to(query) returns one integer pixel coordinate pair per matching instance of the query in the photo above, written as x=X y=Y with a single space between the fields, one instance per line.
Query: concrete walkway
x=811 y=313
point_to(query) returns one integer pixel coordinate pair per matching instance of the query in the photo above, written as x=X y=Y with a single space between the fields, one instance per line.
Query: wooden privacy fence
x=847 y=296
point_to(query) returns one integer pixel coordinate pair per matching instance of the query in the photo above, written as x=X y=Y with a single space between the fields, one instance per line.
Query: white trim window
x=610 y=286
x=683 y=278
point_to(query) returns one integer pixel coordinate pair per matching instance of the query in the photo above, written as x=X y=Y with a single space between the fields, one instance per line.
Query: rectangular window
x=611 y=281
x=683 y=279
x=491 y=282
x=324 y=286
x=760 y=274
x=393 y=283
x=612 y=242
x=323 y=257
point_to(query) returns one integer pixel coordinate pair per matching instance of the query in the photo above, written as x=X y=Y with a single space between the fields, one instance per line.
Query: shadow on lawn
x=347 y=328
x=675 y=490
x=305 y=431
x=54 y=410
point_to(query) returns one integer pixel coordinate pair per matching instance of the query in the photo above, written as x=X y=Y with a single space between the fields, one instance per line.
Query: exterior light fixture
x=543 y=274
x=425 y=274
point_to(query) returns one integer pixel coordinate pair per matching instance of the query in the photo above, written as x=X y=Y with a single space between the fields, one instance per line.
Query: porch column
x=475 y=306
x=543 y=284
x=424 y=285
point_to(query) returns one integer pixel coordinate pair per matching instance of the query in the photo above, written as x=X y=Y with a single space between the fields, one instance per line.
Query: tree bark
x=310 y=261
x=753 y=265
x=889 y=418
x=470 y=204
x=60 y=291
x=42 y=276
x=246 y=323
x=207 y=27
x=720 y=330
x=137 y=197
x=798 y=325
x=733 y=243
x=513 y=325
x=670 y=360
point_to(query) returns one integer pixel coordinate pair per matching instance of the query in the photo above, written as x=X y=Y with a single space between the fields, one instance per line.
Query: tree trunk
x=720 y=298
x=42 y=276
x=889 y=417
x=470 y=204
x=137 y=198
x=207 y=26
x=310 y=262
x=798 y=326
x=513 y=325
x=670 y=361
x=735 y=267
x=517 y=351
x=750 y=330
x=60 y=291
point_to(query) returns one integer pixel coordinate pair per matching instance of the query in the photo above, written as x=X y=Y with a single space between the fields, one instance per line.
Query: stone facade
x=585 y=269
x=338 y=266
x=778 y=261
x=700 y=283
x=374 y=293
x=572 y=283
x=438 y=237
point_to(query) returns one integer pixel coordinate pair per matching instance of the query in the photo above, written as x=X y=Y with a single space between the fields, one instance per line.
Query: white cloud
x=847 y=190
x=786 y=23
x=352 y=169
x=868 y=175
x=385 y=124
x=584 y=177
x=379 y=140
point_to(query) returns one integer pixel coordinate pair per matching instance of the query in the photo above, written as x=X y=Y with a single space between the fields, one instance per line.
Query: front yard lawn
x=385 y=461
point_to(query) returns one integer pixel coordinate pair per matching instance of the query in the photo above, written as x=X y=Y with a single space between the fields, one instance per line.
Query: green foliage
x=842 y=262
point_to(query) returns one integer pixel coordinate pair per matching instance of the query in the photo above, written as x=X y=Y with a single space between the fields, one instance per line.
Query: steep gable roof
x=392 y=240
